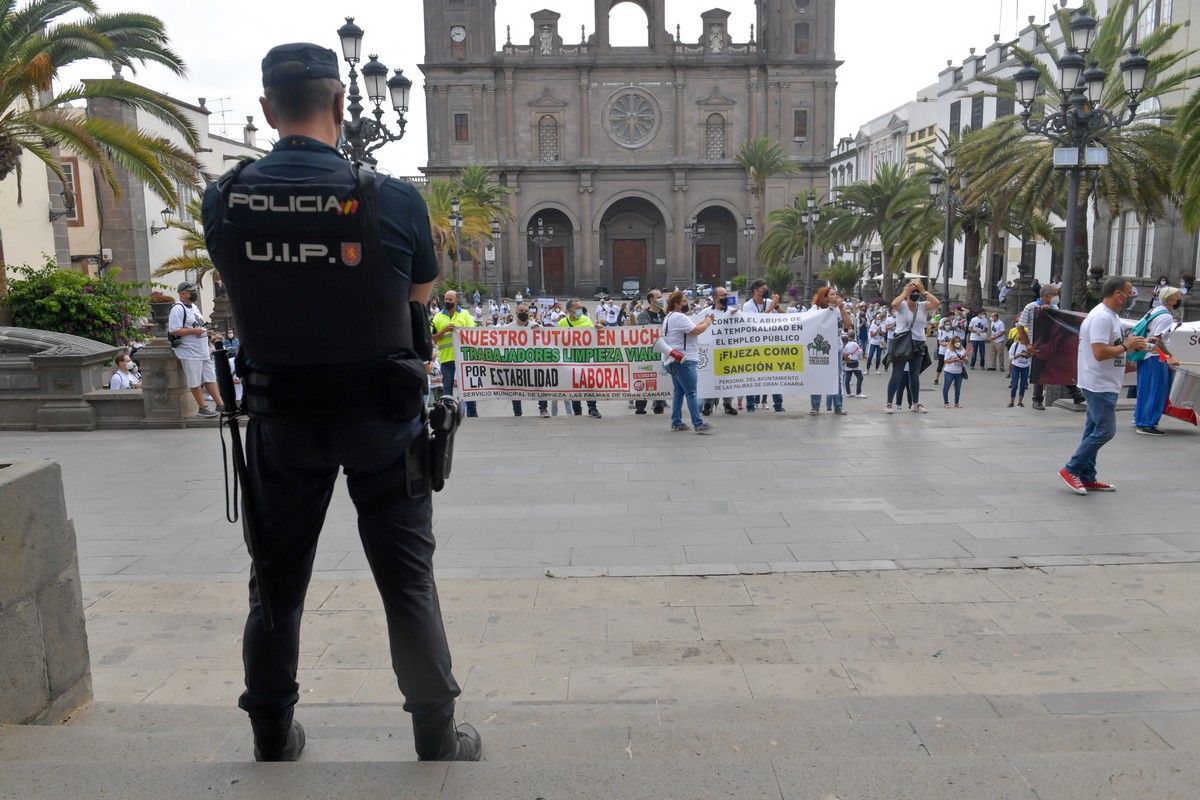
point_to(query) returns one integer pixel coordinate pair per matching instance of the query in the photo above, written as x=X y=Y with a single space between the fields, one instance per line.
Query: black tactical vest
x=307 y=276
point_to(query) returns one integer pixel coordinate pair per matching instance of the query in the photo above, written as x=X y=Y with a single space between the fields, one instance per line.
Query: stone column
x=752 y=95
x=44 y=661
x=679 y=263
x=679 y=121
x=510 y=114
x=590 y=259
x=585 y=120
x=478 y=135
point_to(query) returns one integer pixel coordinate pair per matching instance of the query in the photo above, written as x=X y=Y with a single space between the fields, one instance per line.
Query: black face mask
x=684 y=308
x=522 y=316
x=450 y=306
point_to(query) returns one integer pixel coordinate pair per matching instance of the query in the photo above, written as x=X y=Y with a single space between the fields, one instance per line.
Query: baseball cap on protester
x=304 y=61
x=186 y=286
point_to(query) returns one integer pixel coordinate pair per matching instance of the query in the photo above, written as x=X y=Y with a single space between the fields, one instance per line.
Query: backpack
x=173 y=339
x=1141 y=329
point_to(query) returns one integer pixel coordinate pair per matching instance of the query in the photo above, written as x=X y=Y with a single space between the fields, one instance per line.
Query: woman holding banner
x=679 y=334
x=907 y=352
x=828 y=297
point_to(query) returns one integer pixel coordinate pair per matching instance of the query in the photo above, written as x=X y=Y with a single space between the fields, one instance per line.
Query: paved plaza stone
x=574 y=496
x=862 y=607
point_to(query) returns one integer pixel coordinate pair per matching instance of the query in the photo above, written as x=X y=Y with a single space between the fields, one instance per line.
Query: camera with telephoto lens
x=915 y=297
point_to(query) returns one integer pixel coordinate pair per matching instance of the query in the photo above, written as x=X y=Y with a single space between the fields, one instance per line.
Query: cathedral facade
x=619 y=148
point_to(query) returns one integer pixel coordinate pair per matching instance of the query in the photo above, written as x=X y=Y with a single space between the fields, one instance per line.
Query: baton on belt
x=230 y=417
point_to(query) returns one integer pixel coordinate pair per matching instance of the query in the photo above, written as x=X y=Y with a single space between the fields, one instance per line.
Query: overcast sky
x=891 y=49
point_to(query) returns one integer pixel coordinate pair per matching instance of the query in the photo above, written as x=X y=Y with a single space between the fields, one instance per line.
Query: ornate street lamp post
x=542 y=236
x=456 y=223
x=749 y=230
x=694 y=231
x=1080 y=121
x=948 y=199
x=365 y=136
x=496 y=249
x=810 y=216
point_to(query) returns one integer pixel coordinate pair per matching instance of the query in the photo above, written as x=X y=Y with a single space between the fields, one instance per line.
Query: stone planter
x=159 y=314
x=45 y=673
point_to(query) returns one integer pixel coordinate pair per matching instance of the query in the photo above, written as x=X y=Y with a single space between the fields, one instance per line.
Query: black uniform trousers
x=292 y=468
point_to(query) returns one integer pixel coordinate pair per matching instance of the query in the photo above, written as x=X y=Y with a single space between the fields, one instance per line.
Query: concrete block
x=64 y=637
x=24 y=686
x=37 y=541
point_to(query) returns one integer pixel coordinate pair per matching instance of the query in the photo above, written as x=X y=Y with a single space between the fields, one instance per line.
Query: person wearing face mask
x=524 y=320
x=125 y=377
x=1154 y=374
x=680 y=331
x=721 y=306
x=1047 y=299
x=652 y=314
x=876 y=338
x=997 y=343
x=760 y=303
x=1157 y=299
x=577 y=318
x=189 y=337
x=443 y=325
x=1103 y=348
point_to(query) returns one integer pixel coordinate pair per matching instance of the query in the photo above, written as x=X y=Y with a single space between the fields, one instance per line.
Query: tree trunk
x=886 y=287
x=5 y=313
x=974 y=298
x=475 y=270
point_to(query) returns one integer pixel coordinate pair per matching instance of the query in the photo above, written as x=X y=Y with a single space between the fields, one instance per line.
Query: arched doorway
x=633 y=244
x=716 y=252
x=553 y=260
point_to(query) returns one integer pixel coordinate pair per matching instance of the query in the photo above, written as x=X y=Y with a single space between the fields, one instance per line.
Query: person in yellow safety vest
x=444 y=323
x=577 y=318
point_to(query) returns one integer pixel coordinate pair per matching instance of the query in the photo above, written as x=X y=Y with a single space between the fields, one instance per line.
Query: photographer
x=679 y=331
x=188 y=335
x=911 y=308
x=335 y=382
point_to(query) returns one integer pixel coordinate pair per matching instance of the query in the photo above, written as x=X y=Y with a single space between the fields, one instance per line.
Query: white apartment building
x=960 y=100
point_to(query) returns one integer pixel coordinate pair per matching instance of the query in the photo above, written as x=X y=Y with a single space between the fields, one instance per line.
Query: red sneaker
x=1073 y=481
x=1099 y=486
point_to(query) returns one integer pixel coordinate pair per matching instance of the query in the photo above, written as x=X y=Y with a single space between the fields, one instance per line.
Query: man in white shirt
x=1101 y=370
x=614 y=314
x=525 y=320
x=979 y=334
x=997 y=342
x=185 y=328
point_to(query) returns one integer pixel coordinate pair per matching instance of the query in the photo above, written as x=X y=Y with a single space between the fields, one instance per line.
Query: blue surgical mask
x=578 y=313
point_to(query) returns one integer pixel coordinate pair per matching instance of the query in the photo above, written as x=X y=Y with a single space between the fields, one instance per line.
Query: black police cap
x=304 y=61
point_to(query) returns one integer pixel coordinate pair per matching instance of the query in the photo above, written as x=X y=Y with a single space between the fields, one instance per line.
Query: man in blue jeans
x=1101 y=371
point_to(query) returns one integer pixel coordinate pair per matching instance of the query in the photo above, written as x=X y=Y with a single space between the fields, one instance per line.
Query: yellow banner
x=757 y=359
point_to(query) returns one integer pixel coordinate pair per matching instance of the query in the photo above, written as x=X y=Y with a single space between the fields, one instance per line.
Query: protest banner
x=559 y=363
x=790 y=354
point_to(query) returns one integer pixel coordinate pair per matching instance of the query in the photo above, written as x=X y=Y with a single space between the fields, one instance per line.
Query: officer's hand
x=1135 y=343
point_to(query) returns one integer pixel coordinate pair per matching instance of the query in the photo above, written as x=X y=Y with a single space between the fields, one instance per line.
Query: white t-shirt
x=1019 y=355
x=944 y=335
x=614 y=314
x=1101 y=326
x=123 y=380
x=979 y=328
x=875 y=334
x=192 y=347
x=852 y=351
x=999 y=331
x=751 y=307
x=905 y=320
x=676 y=328
x=955 y=366
x=1161 y=324
x=889 y=327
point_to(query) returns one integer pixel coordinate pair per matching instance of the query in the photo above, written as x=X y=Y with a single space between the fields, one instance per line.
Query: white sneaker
x=861 y=395
x=889 y=409
x=920 y=409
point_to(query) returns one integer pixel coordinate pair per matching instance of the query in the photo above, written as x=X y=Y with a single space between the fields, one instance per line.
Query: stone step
x=1085 y=776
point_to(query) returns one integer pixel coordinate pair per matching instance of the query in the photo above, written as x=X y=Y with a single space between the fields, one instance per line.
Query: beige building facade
x=618 y=148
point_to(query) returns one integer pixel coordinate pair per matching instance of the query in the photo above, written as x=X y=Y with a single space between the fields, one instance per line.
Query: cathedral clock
x=458 y=38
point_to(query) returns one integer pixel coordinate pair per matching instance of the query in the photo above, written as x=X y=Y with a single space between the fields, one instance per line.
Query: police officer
x=333 y=376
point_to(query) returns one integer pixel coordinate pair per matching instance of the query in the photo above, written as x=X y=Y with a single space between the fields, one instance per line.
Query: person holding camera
x=680 y=332
x=188 y=334
x=335 y=382
x=907 y=351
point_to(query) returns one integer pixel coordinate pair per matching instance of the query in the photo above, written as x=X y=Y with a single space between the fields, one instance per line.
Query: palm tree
x=1187 y=166
x=920 y=220
x=787 y=237
x=36 y=44
x=194 y=257
x=763 y=159
x=479 y=188
x=1015 y=168
x=869 y=209
x=477 y=226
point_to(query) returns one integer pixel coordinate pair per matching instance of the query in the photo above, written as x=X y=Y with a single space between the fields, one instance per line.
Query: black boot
x=462 y=744
x=272 y=746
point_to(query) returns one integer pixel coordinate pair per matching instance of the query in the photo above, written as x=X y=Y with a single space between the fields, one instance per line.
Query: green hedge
x=51 y=299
